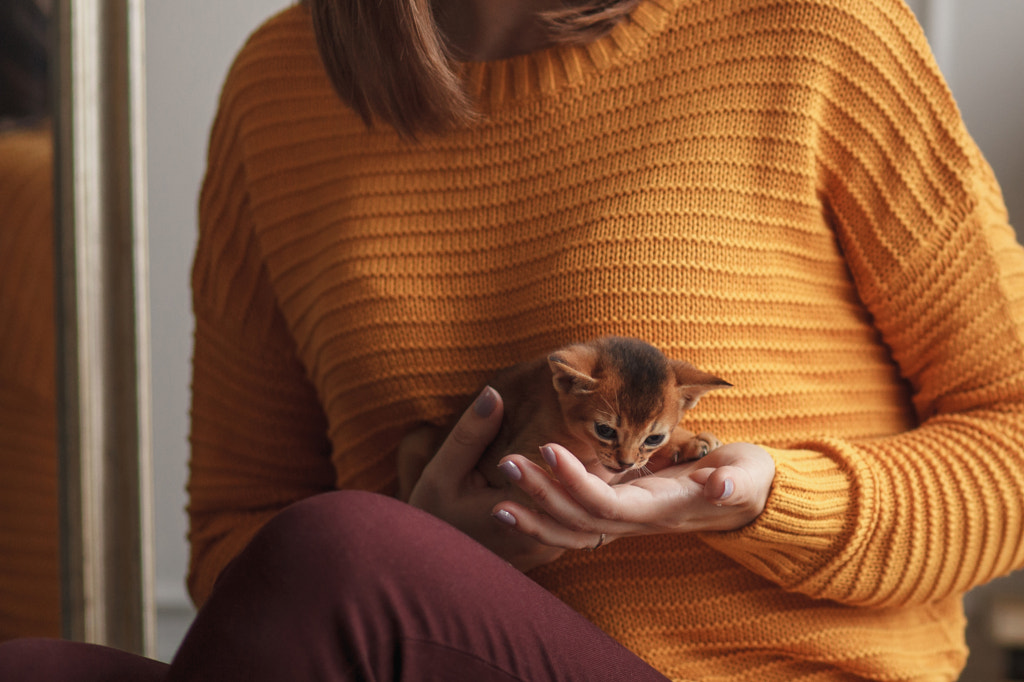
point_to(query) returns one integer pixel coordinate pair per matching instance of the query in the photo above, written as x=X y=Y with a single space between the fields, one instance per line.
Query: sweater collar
x=495 y=83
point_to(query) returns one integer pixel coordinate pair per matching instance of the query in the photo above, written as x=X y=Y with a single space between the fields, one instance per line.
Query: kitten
x=614 y=401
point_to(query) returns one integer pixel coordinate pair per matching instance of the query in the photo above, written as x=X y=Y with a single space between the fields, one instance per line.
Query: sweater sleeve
x=921 y=515
x=258 y=434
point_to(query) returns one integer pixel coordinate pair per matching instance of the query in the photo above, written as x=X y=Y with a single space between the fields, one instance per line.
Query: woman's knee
x=324 y=586
x=330 y=526
x=345 y=537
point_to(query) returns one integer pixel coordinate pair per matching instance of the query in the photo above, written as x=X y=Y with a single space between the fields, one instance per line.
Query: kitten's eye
x=605 y=432
x=655 y=440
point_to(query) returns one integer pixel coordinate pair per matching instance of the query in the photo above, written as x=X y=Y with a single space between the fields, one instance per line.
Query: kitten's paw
x=697 y=447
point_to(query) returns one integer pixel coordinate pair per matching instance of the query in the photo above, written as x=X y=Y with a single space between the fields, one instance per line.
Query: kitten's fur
x=616 y=401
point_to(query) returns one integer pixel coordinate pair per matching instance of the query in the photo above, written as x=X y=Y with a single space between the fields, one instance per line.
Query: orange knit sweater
x=780 y=191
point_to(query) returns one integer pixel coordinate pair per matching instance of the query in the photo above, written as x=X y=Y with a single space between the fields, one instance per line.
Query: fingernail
x=729 y=487
x=504 y=517
x=548 y=453
x=510 y=470
x=485 y=403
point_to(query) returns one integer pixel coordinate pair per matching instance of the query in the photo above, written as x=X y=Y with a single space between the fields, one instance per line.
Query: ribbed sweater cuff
x=808 y=514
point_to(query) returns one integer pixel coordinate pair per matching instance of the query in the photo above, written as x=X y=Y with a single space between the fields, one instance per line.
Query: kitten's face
x=625 y=397
x=622 y=445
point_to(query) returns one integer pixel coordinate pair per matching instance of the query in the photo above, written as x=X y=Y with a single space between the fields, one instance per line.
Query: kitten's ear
x=572 y=369
x=694 y=383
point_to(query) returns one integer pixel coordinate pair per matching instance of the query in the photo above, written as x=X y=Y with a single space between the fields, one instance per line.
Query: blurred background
x=189 y=45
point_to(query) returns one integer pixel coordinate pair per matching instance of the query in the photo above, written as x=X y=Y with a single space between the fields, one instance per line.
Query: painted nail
x=729 y=487
x=510 y=470
x=505 y=517
x=548 y=453
x=485 y=403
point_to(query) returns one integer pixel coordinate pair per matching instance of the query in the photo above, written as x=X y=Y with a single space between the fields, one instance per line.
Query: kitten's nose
x=625 y=464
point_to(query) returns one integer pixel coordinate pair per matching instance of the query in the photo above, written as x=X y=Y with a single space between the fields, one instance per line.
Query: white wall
x=189 y=46
x=986 y=73
x=979 y=49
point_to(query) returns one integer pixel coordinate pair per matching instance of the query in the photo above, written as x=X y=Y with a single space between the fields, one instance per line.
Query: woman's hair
x=389 y=60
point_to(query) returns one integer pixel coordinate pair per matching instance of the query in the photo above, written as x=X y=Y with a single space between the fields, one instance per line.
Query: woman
x=780 y=192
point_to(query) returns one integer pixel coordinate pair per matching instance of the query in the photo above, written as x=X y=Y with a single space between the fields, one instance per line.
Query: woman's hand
x=452 y=489
x=725 y=490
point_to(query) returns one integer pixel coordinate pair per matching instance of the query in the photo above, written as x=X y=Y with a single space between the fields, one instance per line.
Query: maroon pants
x=355 y=586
